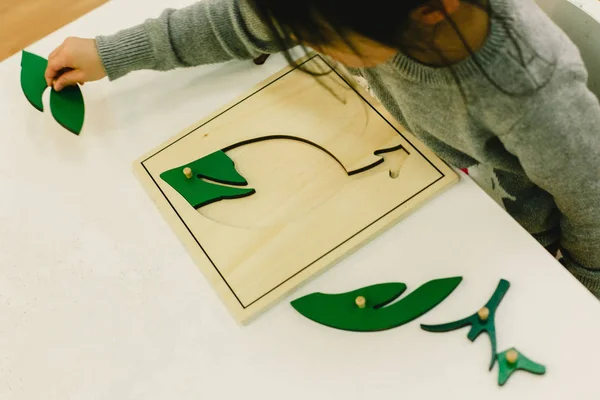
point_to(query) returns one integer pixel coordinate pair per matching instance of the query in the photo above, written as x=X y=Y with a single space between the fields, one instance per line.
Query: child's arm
x=210 y=31
x=558 y=145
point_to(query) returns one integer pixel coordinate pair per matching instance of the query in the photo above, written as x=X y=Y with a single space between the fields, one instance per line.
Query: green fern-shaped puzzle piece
x=197 y=189
x=374 y=308
x=368 y=309
x=67 y=106
x=512 y=360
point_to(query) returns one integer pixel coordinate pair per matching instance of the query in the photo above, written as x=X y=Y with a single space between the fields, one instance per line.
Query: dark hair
x=388 y=22
x=319 y=21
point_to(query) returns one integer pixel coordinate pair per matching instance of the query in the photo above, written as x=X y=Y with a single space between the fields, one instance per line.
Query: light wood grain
x=23 y=22
x=307 y=211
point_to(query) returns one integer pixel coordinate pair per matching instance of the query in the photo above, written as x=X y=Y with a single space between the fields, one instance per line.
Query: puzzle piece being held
x=67 y=106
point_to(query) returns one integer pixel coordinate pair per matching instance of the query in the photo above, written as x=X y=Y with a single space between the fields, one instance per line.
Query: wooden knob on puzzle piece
x=484 y=313
x=187 y=171
x=512 y=356
x=361 y=302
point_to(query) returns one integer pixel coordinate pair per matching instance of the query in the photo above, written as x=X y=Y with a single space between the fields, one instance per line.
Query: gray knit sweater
x=535 y=128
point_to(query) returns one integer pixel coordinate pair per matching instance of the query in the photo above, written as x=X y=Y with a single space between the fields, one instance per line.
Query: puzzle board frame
x=243 y=310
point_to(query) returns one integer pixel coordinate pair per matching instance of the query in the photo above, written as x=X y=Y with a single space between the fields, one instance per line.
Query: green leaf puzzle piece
x=506 y=369
x=341 y=311
x=217 y=167
x=478 y=324
x=67 y=106
x=33 y=83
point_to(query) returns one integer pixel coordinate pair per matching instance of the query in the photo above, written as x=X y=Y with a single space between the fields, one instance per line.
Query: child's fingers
x=52 y=69
x=69 y=78
x=55 y=65
x=48 y=75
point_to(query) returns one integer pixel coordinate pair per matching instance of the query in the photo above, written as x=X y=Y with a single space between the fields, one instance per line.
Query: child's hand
x=74 y=61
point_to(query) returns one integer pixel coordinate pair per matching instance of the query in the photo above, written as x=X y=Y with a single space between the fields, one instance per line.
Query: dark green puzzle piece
x=478 y=325
x=318 y=306
x=33 y=83
x=506 y=369
x=200 y=193
x=68 y=108
x=217 y=167
x=341 y=311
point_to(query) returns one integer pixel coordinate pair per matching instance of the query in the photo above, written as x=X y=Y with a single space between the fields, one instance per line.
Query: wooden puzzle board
x=330 y=169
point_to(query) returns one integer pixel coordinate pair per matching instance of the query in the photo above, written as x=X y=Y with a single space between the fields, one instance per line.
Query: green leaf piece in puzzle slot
x=217 y=167
x=481 y=321
x=33 y=83
x=506 y=368
x=342 y=311
x=68 y=108
x=196 y=191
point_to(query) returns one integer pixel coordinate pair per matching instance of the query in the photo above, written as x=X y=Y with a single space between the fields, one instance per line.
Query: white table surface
x=98 y=299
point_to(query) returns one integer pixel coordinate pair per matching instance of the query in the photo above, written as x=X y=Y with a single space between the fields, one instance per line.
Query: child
x=490 y=85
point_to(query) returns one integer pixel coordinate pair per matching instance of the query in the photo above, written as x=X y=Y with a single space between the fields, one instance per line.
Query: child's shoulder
x=532 y=45
x=534 y=30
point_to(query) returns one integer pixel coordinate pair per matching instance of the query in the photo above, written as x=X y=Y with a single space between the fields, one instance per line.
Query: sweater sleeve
x=558 y=144
x=207 y=32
